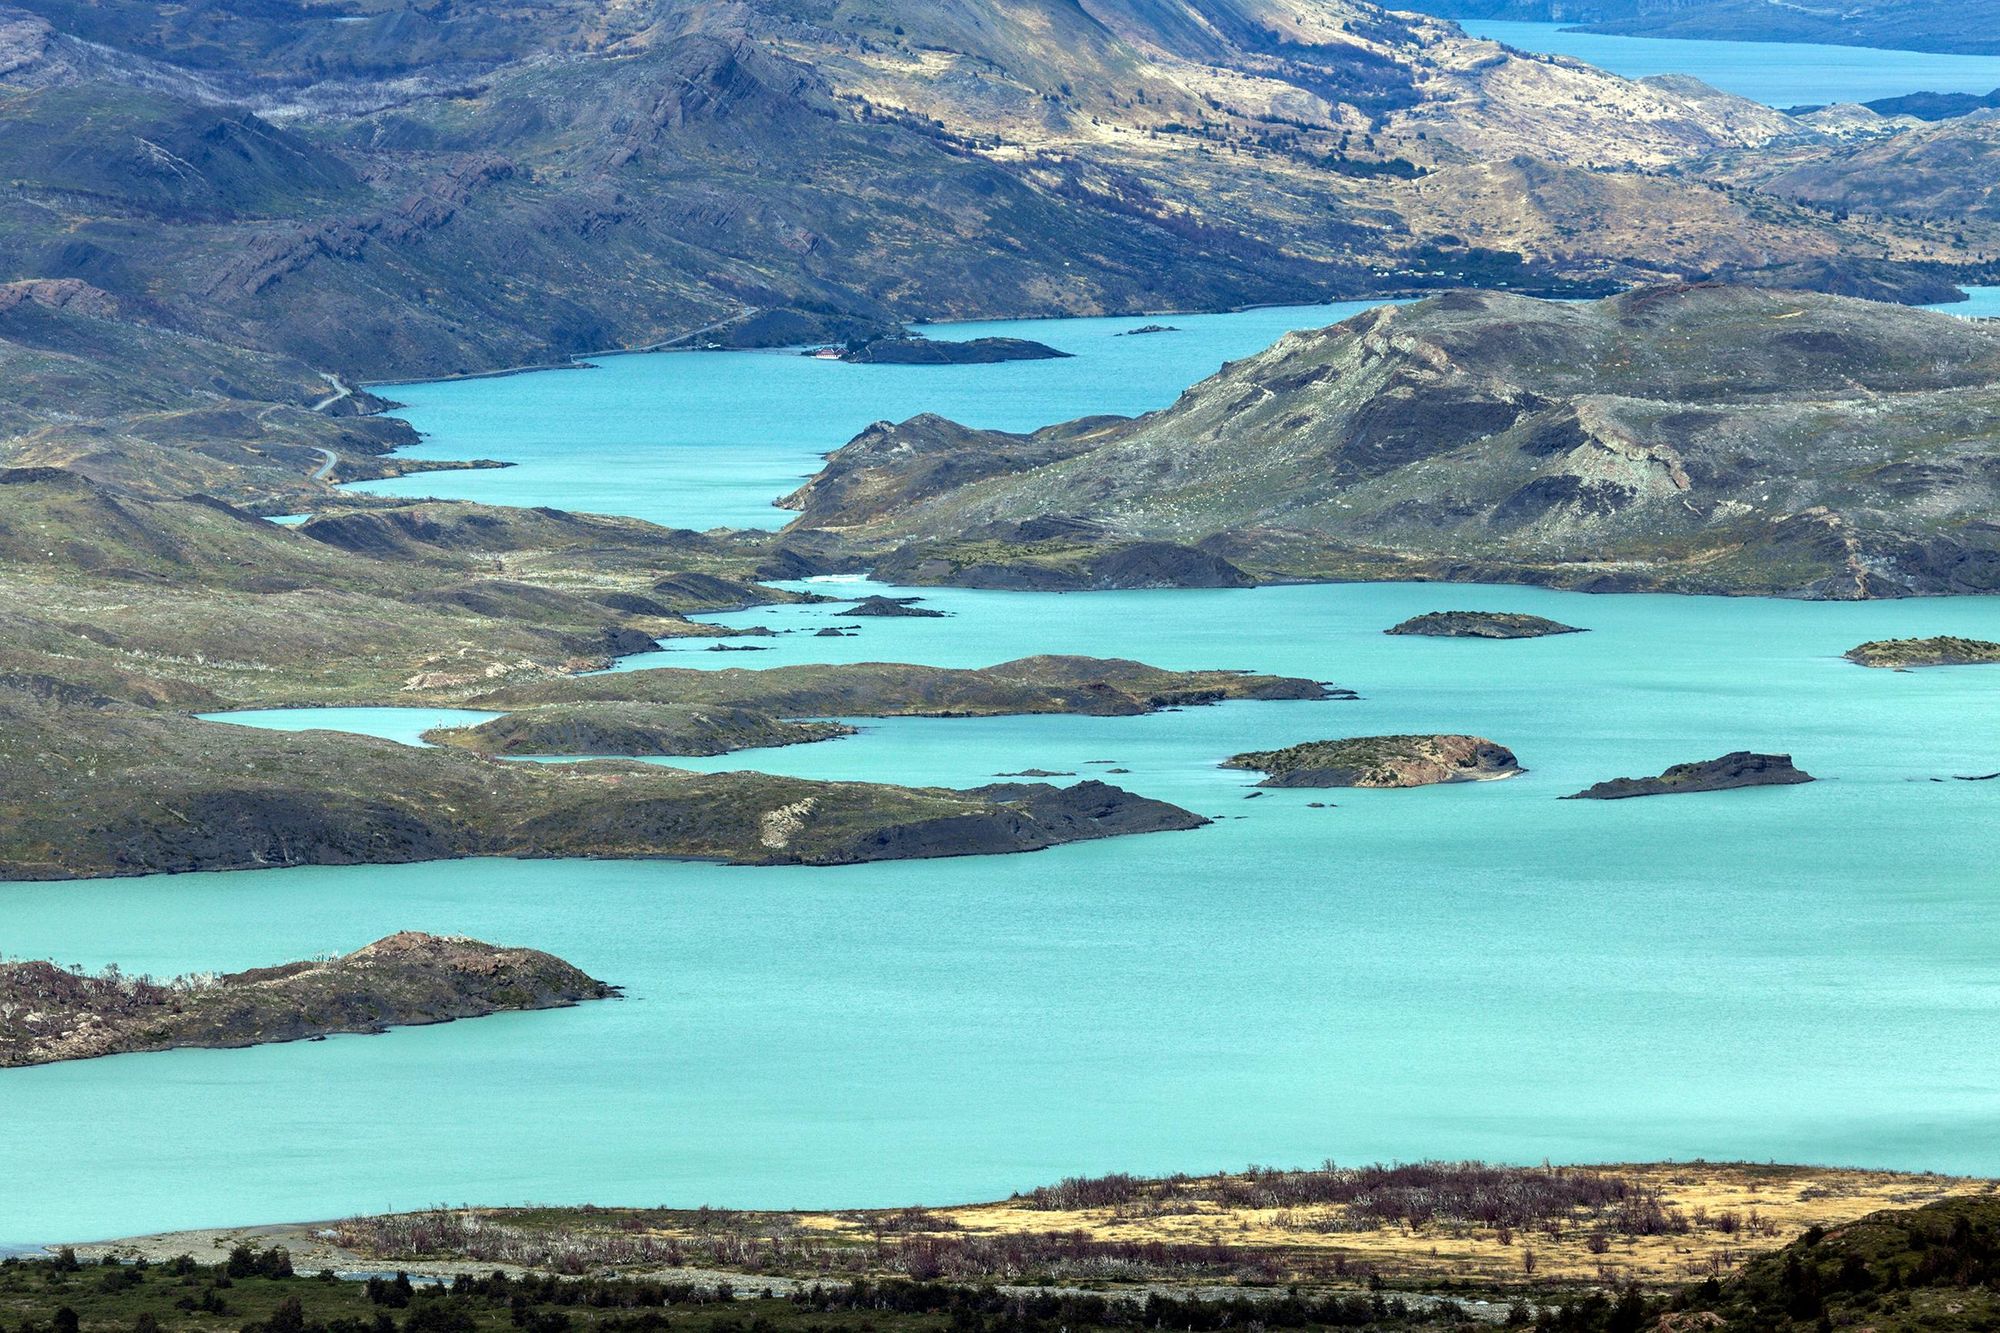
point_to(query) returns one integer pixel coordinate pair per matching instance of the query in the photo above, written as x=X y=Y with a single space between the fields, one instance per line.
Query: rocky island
x=1052 y=683
x=1481 y=625
x=1382 y=761
x=1740 y=768
x=929 y=352
x=880 y=607
x=1943 y=650
x=48 y=1014
x=632 y=729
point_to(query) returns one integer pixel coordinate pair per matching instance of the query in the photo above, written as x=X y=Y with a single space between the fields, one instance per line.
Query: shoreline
x=1703 y=1216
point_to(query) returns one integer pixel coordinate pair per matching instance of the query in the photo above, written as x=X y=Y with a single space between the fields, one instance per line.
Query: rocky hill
x=339 y=184
x=48 y=1014
x=1696 y=438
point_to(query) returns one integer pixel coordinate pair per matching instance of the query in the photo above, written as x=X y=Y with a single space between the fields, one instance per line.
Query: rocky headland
x=49 y=1014
x=1382 y=761
x=1481 y=625
x=1943 y=650
x=1693 y=438
x=1740 y=768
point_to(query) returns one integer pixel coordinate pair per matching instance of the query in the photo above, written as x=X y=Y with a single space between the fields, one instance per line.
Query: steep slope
x=1948 y=172
x=1711 y=438
x=420 y=192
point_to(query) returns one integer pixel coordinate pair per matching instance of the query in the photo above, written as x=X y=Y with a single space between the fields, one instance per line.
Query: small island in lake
x=878 y=605
x=1382 y=761
x=1482 y=625
x=1943 y=650
x=1740 y=768
x=617 y=727
x=49 y=1014
x=1149 y=328
x=927 y=352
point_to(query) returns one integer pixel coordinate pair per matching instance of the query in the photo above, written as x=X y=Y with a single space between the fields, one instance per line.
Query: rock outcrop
x=892 y=607
x=1740 y=768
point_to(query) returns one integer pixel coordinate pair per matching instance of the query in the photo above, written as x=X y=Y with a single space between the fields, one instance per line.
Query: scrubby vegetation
x=1896 y=1271
x=1408 y=1195
x=257 y=1292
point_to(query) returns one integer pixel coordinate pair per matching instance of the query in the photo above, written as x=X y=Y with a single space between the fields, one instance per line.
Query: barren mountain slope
x=1713 y=438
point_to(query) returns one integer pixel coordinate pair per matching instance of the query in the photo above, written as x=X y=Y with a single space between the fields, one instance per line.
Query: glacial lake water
x=1781 y=74
x=710 y=439
x=1805 y=973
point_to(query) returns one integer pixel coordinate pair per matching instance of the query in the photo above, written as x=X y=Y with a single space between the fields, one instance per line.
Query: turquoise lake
x=1804 y=973
x=1778 y=74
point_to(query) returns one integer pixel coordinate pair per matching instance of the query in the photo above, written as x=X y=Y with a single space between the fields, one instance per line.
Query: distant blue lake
x=1782 y=74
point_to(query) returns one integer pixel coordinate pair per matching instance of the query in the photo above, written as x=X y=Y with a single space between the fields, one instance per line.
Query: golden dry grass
x=1733 y=1212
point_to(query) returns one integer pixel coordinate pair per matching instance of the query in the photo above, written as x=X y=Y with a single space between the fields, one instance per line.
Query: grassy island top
x=1943 y=650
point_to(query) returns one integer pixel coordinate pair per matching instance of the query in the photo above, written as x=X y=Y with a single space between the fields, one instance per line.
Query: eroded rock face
x=1481 y=625
x=1943 y=650
x=1382 y=761
x=50 y=1014
x=1740 y=768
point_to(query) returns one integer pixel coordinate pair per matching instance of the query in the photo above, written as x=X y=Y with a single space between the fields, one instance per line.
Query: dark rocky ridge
x=48 y=1014
x=1382 y=761
x=1740 y=768
x=1481 y=625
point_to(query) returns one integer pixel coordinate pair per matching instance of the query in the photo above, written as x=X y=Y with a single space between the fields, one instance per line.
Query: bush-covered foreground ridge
x=1931 y=1267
